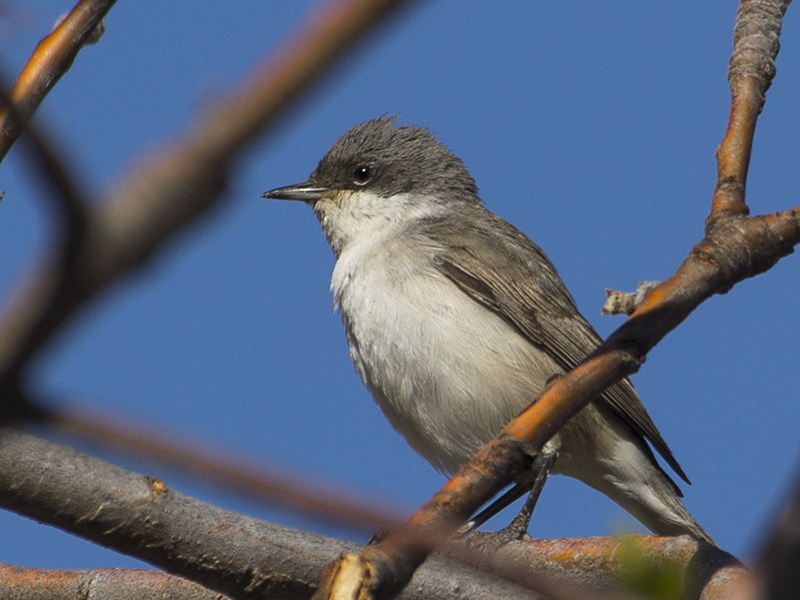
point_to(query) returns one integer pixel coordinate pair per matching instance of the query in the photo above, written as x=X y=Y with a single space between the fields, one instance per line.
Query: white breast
x=448 y=373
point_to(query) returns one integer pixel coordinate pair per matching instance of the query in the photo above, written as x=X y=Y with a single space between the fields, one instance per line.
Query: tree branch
x=19 y=583
x=248 y=558
x=234 y=554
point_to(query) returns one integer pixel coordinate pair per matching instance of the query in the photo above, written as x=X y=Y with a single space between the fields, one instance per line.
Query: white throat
x=353 y=218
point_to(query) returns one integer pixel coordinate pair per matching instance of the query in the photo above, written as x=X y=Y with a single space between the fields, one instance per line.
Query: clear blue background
x=592 y=126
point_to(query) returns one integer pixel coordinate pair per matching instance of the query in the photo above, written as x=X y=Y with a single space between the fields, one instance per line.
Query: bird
x=455 y=320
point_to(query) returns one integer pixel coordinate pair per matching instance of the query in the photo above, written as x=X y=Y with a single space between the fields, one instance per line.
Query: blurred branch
x=74 y=222
x=735 y=247
x=313 y=499
x=175 y=184
x=67 y=198
x=778 y=565
x=52 y=58
x=19 y=583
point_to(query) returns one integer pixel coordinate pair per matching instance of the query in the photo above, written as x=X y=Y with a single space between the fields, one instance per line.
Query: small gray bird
x=456 y=320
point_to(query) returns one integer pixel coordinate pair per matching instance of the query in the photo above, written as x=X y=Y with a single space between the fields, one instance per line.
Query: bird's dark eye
x=362 y=174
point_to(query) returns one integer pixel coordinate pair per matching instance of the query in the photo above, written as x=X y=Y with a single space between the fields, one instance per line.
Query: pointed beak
x=305 y=192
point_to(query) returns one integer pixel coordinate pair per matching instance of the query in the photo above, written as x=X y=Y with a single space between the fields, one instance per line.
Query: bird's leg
x=518 y=528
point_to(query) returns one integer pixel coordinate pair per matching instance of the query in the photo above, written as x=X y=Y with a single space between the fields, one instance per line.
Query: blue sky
x=591 y=126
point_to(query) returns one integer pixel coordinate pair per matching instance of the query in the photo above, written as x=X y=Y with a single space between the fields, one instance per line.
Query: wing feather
x=514 y=278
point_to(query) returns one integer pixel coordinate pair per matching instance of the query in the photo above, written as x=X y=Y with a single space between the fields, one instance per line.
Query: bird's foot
x=489 y=542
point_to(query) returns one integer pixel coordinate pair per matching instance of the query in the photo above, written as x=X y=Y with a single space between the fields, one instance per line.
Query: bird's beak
x=305 y=192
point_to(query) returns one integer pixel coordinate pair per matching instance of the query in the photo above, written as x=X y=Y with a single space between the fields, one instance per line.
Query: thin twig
x=777 y=565
x=52 y=58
